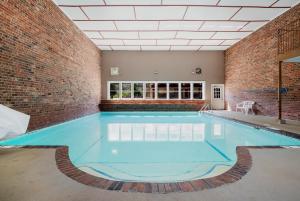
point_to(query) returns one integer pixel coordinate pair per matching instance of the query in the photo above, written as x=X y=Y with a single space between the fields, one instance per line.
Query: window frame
x=156 y=90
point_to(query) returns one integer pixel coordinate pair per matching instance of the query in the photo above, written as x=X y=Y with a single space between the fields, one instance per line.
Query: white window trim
x=156 y=90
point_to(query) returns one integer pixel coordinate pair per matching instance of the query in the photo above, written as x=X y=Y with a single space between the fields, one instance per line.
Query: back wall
x=171 y=66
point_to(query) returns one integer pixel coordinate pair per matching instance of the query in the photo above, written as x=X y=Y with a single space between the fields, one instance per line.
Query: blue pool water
x=152 y=146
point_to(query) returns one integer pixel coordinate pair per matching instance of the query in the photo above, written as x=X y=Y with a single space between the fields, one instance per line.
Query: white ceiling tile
x=74 y=13
x=160 y=12
x=190 y=2
x=246 y=2
x=222 y=26
x=180 y=25
x=133 y=2
x=286 y=3
x=214 y=47
x=172 y=42
x=140 y=42
x=137 y=25
x=194 y=35
x=110 y=13
x=191 y=48
x=230 y=42
x=210 y=13
x=92 y=34
x=157 y=34
x=120 y=35
x=252 y=26
x=107 y=42
x=258 y=13
x=205 y=42
x=79 y=2
x=155 y=48
x=104 y=47
x=230 y=35
x=95 y=25
x=126 y=47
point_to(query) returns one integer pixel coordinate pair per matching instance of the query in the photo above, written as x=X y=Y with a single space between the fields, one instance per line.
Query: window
x=114 y=90
x=217 y=93
x=197 y=90
x=185 y=91
x=150 y=91
x=173 y=91
x=138 y=90
x=126 y=90
x=162 y=90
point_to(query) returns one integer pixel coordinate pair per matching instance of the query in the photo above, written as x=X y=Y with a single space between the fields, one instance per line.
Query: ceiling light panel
x=210 y=13
x=229 y=42
x=95 y=25
x=120 y=35
x=222 y=26
x=79 y=2
x=190 y=2
x=160 y=12
x=110 y=13
x=191 y=48
x=258 y=13
x=104 y=47
x=157 y=35
x=133 y=2
x=139 y=42
x=151 y=48
x=246 y=3
x=194 y=35
x=137 y=25
x=214 y=47
x=286 y=3
x=107 y=42
x=172 y=42
x=230 y=35
x=206 y=42
x=92 y=34
x=74 y=13
x=252 y=26
x=180 y=25
x=126 y=48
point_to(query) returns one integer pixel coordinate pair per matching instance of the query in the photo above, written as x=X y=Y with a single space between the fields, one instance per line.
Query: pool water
x=152 y=146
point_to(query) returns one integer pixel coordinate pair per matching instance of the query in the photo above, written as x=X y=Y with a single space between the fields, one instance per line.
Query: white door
x=217 y=96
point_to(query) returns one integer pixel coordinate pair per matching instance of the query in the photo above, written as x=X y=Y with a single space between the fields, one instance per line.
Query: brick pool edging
x=240 y=169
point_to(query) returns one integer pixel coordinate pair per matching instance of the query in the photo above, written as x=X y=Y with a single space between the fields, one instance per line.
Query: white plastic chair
x=245 y=106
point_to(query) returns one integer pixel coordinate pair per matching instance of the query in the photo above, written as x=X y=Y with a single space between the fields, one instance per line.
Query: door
x=217 y=96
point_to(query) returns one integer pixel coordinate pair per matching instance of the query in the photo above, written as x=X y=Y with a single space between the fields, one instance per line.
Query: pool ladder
x=205 y=107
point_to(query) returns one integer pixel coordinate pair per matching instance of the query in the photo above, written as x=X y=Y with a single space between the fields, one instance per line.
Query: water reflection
x=160 y=132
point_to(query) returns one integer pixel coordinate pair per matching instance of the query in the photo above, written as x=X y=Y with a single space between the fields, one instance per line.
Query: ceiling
x=169 y=25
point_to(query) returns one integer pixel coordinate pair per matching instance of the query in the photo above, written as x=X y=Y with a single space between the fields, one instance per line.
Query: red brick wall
x=251 y=71
x=48 y=68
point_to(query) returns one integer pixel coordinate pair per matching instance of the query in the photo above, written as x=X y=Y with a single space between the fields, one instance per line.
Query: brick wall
x=48 y=68
x=251 y=71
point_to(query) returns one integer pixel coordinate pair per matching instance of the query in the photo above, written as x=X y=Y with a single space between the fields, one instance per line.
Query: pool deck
x=292 y=126
x=32 y=174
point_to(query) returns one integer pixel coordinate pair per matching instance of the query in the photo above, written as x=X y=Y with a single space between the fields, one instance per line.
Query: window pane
x=150 y=91
x=162 y=90
x=197 y=91
x=114 y=90
x=185 y=91
x=126 y=90
x=173 y=91
x=217 y=93
x=138 y=90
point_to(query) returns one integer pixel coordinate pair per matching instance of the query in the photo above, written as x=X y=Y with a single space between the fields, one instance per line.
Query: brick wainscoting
x=151 y=105
x=251 y=71
x=48 y=68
